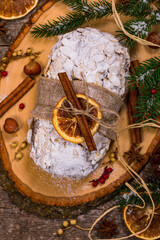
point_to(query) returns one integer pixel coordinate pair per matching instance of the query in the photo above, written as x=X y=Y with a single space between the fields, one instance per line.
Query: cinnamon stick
x=82 y=122
x=136 y=136
x=16 y=95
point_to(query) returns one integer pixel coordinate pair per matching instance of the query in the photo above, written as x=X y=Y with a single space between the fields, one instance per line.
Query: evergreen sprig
x=146 y=77
x=137 y=27
x=144 y=16
x=125 y=196
x=135 y=8
x=84 y=12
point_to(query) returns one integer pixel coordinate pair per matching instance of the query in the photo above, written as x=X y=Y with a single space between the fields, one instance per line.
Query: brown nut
x=154 y=37
x=11 y=125
x=32 y=68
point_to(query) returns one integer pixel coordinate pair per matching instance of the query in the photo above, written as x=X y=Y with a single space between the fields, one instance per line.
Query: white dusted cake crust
x=100 y=56
x=103 y=61
x=57 y=156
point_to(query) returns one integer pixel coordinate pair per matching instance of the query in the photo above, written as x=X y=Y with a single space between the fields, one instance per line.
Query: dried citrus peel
x=66 y=124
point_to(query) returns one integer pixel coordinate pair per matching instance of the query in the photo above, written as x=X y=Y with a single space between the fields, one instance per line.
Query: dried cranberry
x=102 y=180
x=109 y=170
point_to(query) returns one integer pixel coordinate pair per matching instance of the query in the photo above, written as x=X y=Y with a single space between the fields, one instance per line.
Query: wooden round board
x=29 y=178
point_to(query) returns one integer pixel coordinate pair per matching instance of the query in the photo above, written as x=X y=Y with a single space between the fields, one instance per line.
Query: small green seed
x=18 y=155
x=23 y=145
x=2 y=68
x=14 y=144
x=19 y=53
x=32 y=57
x=60 y=231
x=65 y=224
x=14 y=54
x=112 y=159
x=112 y=155
x=73 y=221
x=4 y=65
x=4 y=59
x=29 y=50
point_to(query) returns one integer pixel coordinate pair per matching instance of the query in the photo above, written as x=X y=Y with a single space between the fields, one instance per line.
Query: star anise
x=3 y=30
x=107 y=228
x=133 y=155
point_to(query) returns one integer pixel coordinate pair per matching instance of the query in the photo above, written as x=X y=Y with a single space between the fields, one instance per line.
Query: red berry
x=21 y=106
x=4 y=73
x=106 y=176
x=153 y=91
x=95 y=183
x=109 y=170
x=102 y=180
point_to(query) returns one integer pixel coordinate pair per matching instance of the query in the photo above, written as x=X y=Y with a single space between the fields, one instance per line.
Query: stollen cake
x=104 y=63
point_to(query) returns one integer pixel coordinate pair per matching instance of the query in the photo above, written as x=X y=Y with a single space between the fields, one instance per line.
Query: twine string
x=120 y=25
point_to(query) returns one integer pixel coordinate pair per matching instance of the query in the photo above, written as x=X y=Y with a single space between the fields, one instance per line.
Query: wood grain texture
x=46 y=188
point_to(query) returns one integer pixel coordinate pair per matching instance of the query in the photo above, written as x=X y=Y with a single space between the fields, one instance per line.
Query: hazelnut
x=11 y=125
x=32 y=69
x=153 y=37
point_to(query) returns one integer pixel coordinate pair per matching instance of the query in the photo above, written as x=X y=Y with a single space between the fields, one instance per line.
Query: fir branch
x=147 y=77
x=144 y=71
x=84 y=13
x=135 y=8
x=124 y=196
x=138 y=27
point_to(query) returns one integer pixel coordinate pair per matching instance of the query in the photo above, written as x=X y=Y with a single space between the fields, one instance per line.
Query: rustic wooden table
x=16 y=224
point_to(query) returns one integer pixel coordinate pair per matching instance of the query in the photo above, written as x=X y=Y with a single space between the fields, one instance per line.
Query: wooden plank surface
x=16 y=224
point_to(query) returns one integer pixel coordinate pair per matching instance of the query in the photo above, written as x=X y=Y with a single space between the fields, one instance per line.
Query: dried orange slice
x=13 y=9
x=66 y=124
x=137 y=219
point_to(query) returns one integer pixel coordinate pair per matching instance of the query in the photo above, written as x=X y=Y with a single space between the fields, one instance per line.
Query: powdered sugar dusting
x=57 y=156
